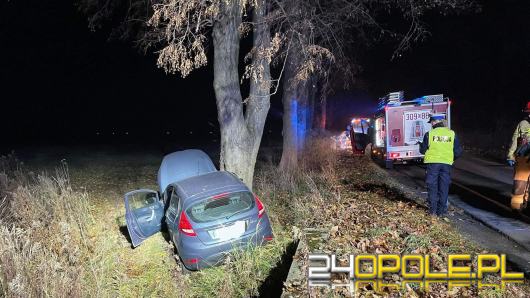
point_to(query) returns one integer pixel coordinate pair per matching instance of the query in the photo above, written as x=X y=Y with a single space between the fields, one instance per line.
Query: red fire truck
x=400 y=125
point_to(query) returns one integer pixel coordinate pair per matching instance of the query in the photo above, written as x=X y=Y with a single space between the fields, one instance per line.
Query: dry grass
x=57 y=241
x=242 y=274
x=297 y=195
x=42 y=233
x=75 y=246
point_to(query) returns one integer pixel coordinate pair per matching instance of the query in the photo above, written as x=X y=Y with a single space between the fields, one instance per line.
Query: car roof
x=183 y=164
x=208 y=184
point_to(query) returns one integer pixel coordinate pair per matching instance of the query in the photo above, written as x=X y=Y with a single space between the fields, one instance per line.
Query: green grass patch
x=413 y=242
x=450 y=239
x=243 y=274
x=379 y=231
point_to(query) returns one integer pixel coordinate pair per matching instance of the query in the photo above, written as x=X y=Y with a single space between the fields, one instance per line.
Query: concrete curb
x=506 y=226
x=309 y=240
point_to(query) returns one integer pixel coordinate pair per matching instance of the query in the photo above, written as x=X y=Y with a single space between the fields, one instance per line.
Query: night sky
x=63 y=84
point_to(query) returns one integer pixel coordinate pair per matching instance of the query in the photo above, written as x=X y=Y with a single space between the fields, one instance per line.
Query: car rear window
x=221 y=206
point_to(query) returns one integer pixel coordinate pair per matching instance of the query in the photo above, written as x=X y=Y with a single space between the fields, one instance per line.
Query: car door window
x=140 y=201
x=173 y=208
x=143 y=213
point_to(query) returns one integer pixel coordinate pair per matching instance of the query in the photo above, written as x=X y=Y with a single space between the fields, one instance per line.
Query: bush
x=42 y=233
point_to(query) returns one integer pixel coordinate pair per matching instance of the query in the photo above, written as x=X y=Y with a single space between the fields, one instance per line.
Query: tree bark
x=259 y=98
x=312 y=93
x=289 y=158
x=323 y=113
x=240 y=132
x=294 y=100
x=303 y=114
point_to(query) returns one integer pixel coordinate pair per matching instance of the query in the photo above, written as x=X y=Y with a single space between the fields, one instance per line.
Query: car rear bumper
x=202 y=256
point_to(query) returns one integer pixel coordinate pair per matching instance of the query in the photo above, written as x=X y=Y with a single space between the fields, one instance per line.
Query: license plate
x=230 y=232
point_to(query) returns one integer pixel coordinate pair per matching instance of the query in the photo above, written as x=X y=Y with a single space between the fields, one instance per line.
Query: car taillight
x=268 y=238
x=192 y=261
x=261 y=208
x=185 y=226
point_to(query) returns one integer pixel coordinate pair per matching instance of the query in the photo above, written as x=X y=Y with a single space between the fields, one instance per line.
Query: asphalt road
x=481 y=183
x=481 y=188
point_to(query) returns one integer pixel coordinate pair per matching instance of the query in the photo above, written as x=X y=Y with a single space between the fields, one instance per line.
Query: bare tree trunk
x=319 y=123
x=303 y=114
x=240 y=133
x=295 y=95
x=289 y=158
x=259 y=98
x=323 y=113
x=312 y=93
x=294 y=102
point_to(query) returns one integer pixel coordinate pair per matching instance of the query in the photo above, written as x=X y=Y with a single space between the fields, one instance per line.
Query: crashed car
x=208 y=213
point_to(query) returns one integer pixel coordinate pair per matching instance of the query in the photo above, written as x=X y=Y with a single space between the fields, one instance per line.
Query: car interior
x=147 y=210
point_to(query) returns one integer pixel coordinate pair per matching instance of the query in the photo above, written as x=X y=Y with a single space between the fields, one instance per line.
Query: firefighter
x=518 y=157
x=441 y=147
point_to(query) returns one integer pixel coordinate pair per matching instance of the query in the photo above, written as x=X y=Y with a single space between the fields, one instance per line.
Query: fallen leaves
x=373 y=217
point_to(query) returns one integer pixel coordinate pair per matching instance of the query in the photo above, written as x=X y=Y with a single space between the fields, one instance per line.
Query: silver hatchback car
x=208 y=213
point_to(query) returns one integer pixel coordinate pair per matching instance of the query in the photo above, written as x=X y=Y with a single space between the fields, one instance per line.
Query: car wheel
x=183 y=268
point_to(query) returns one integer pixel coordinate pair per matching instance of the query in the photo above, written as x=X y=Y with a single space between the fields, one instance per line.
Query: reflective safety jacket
x=441 y=145
x=520 y=135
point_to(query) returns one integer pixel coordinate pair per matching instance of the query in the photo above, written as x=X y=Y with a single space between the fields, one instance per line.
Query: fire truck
x=399 y=126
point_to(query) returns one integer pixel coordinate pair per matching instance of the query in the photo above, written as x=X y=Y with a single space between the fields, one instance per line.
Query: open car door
x=143 y=212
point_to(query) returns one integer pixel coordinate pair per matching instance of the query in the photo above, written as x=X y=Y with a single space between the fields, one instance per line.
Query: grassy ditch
x=63 y=234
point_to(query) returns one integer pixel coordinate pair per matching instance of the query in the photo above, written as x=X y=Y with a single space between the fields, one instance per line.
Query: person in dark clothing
x=441 y=147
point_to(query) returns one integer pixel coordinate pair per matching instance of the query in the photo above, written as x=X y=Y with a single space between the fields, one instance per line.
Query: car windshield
x=221 y=206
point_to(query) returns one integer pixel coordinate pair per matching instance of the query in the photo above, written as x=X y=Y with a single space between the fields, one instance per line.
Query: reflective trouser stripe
x=517 y=202
x=522 y=169
x=520 y=180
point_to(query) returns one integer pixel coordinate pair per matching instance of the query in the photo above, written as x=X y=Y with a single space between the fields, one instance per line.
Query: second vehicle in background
x=360 y=131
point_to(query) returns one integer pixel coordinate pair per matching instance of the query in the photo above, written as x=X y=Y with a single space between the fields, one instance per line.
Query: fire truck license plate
x=417 y=115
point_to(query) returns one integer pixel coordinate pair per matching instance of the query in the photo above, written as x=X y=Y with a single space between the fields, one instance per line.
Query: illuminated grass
x=243 y=274
x=325 y=195
x=151 y=270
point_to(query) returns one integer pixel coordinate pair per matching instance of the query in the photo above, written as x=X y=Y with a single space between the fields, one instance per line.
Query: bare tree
x=310 y=40
x=322 y=35
x=182 y=31
x=184 y=25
